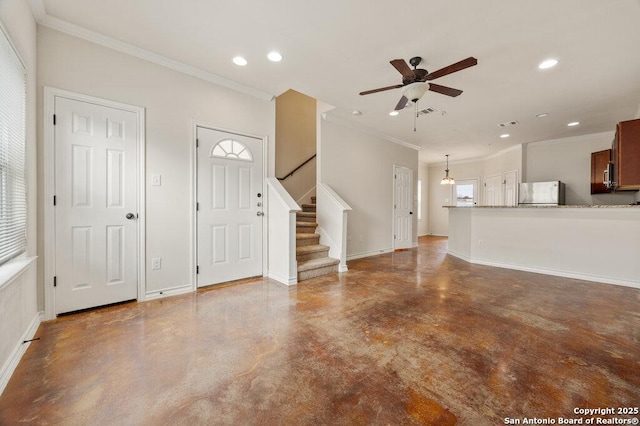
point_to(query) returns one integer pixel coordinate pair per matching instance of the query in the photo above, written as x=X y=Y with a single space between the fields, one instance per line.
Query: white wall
x=172 y=100
x=18 y=299
x=359 y=168
x=569 y=160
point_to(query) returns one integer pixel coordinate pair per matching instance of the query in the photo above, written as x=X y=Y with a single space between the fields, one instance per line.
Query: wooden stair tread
x=307 y=214
x=317 y=263
x=308 y=205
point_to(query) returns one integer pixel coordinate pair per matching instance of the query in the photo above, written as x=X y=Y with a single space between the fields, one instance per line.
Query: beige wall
x=359 y=168
x=296 y=142
x=172 y=100
x=569 y=160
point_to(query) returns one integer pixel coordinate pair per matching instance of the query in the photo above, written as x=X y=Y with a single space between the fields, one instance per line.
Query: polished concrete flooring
x=413 y=337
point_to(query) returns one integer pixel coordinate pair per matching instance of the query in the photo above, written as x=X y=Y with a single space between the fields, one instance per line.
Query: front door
x=402 y=207
x=230 y=206
x=95 y=205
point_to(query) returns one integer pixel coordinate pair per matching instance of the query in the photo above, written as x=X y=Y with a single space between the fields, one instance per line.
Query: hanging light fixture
x=447 y=180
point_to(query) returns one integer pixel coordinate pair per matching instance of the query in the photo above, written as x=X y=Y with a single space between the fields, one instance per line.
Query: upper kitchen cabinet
x=626 y=156
x=599 y=171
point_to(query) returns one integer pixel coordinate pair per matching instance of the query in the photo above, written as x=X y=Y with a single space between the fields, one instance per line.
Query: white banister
x=281 y=219
x=332 y=223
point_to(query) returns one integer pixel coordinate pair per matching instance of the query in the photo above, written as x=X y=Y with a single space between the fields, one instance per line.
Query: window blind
x=13 y=199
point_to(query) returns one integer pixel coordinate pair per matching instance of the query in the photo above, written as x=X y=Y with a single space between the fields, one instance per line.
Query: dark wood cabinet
x=599 y=171
x=626 y=156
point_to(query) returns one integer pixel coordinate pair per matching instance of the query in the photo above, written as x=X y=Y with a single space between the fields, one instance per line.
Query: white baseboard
x=554 y=272
x=168 y=292
x=368 y=254
x=283 y=280
x=18 y=351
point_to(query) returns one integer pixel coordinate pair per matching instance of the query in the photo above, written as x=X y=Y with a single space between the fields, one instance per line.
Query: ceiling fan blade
x=458 y=66
x=449 y=91
x=402 y=66
x=402 y=103
x=382 y=89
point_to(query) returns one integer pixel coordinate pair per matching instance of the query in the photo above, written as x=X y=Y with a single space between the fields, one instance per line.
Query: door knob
x=260 y=214
x=130 y=216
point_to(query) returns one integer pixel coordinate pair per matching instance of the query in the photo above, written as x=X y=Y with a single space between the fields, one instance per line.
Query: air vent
x=508 y=123
x=426 y=111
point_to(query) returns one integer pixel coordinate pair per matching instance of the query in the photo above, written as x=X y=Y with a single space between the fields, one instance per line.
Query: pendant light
x=447 y=180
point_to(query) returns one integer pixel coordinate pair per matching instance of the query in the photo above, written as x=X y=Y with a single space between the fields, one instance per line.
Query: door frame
x=194 y=195
x=49 y=252
x=393 y=211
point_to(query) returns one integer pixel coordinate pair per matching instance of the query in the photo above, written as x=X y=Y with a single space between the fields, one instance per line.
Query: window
x=13 y=199
x=228 y=148
x=466 y=192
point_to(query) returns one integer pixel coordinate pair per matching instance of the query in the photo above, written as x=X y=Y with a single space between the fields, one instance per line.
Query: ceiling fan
x=414 y=81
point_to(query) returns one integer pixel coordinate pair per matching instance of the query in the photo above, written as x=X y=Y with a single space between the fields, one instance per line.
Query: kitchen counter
x=591 y=242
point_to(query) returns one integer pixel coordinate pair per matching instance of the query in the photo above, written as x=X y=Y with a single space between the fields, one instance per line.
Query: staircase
x=313 y=257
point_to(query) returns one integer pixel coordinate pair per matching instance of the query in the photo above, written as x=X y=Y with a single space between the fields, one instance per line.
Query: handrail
x=298 y=168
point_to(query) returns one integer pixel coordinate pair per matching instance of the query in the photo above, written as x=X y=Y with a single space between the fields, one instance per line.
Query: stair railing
x=297 y=168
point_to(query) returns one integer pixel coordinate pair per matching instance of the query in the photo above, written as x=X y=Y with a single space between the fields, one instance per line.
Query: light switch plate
x=156 y=180
x=156 y=263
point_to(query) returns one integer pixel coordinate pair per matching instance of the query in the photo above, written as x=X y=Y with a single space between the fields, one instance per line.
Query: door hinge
x=197 y=269
x=54 y=119
x=394 y=237
x=197 y=143
x=54 y=200
x=197 y=207
x=55 y=281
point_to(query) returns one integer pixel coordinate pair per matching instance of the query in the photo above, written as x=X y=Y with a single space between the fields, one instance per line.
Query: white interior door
x=492 y=195
x=402 y=207
x=95 y=190
x=511 y=188
x=230 y=206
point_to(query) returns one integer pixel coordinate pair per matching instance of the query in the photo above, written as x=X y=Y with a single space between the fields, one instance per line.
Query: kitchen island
x=596 y=243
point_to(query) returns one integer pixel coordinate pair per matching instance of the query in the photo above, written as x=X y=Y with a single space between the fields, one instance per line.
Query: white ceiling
x=334 y=49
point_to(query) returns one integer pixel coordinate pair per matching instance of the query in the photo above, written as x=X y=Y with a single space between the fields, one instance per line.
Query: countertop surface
x=576 y=206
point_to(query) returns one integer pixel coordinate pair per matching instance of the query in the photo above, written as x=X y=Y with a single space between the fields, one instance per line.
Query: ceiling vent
x=426 y=111
x=508 y=123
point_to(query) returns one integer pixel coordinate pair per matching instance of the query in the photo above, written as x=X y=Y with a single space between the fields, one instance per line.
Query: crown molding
x=369 y=131
x=40 y=14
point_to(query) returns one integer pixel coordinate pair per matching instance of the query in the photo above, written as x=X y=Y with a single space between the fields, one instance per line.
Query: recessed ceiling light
x=356 y=112
x=549 y=63
x=274 y=56
x=573 y=123
x=394 y=113
x=506 y=135
x=239 y=60
x=544 y=114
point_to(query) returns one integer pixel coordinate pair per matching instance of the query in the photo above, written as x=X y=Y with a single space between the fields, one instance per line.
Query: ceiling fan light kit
x=414 y=81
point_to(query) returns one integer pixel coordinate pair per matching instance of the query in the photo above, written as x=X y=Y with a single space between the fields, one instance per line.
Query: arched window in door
x=231 y=149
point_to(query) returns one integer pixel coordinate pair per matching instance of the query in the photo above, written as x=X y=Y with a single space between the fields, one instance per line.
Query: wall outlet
x=480 y=243
x=156 y=180
x=156 y=263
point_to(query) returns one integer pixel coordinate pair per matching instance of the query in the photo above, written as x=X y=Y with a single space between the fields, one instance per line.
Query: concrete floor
x=413 y=337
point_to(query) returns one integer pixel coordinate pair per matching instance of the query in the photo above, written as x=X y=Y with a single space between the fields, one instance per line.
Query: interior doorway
x=402 y=207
